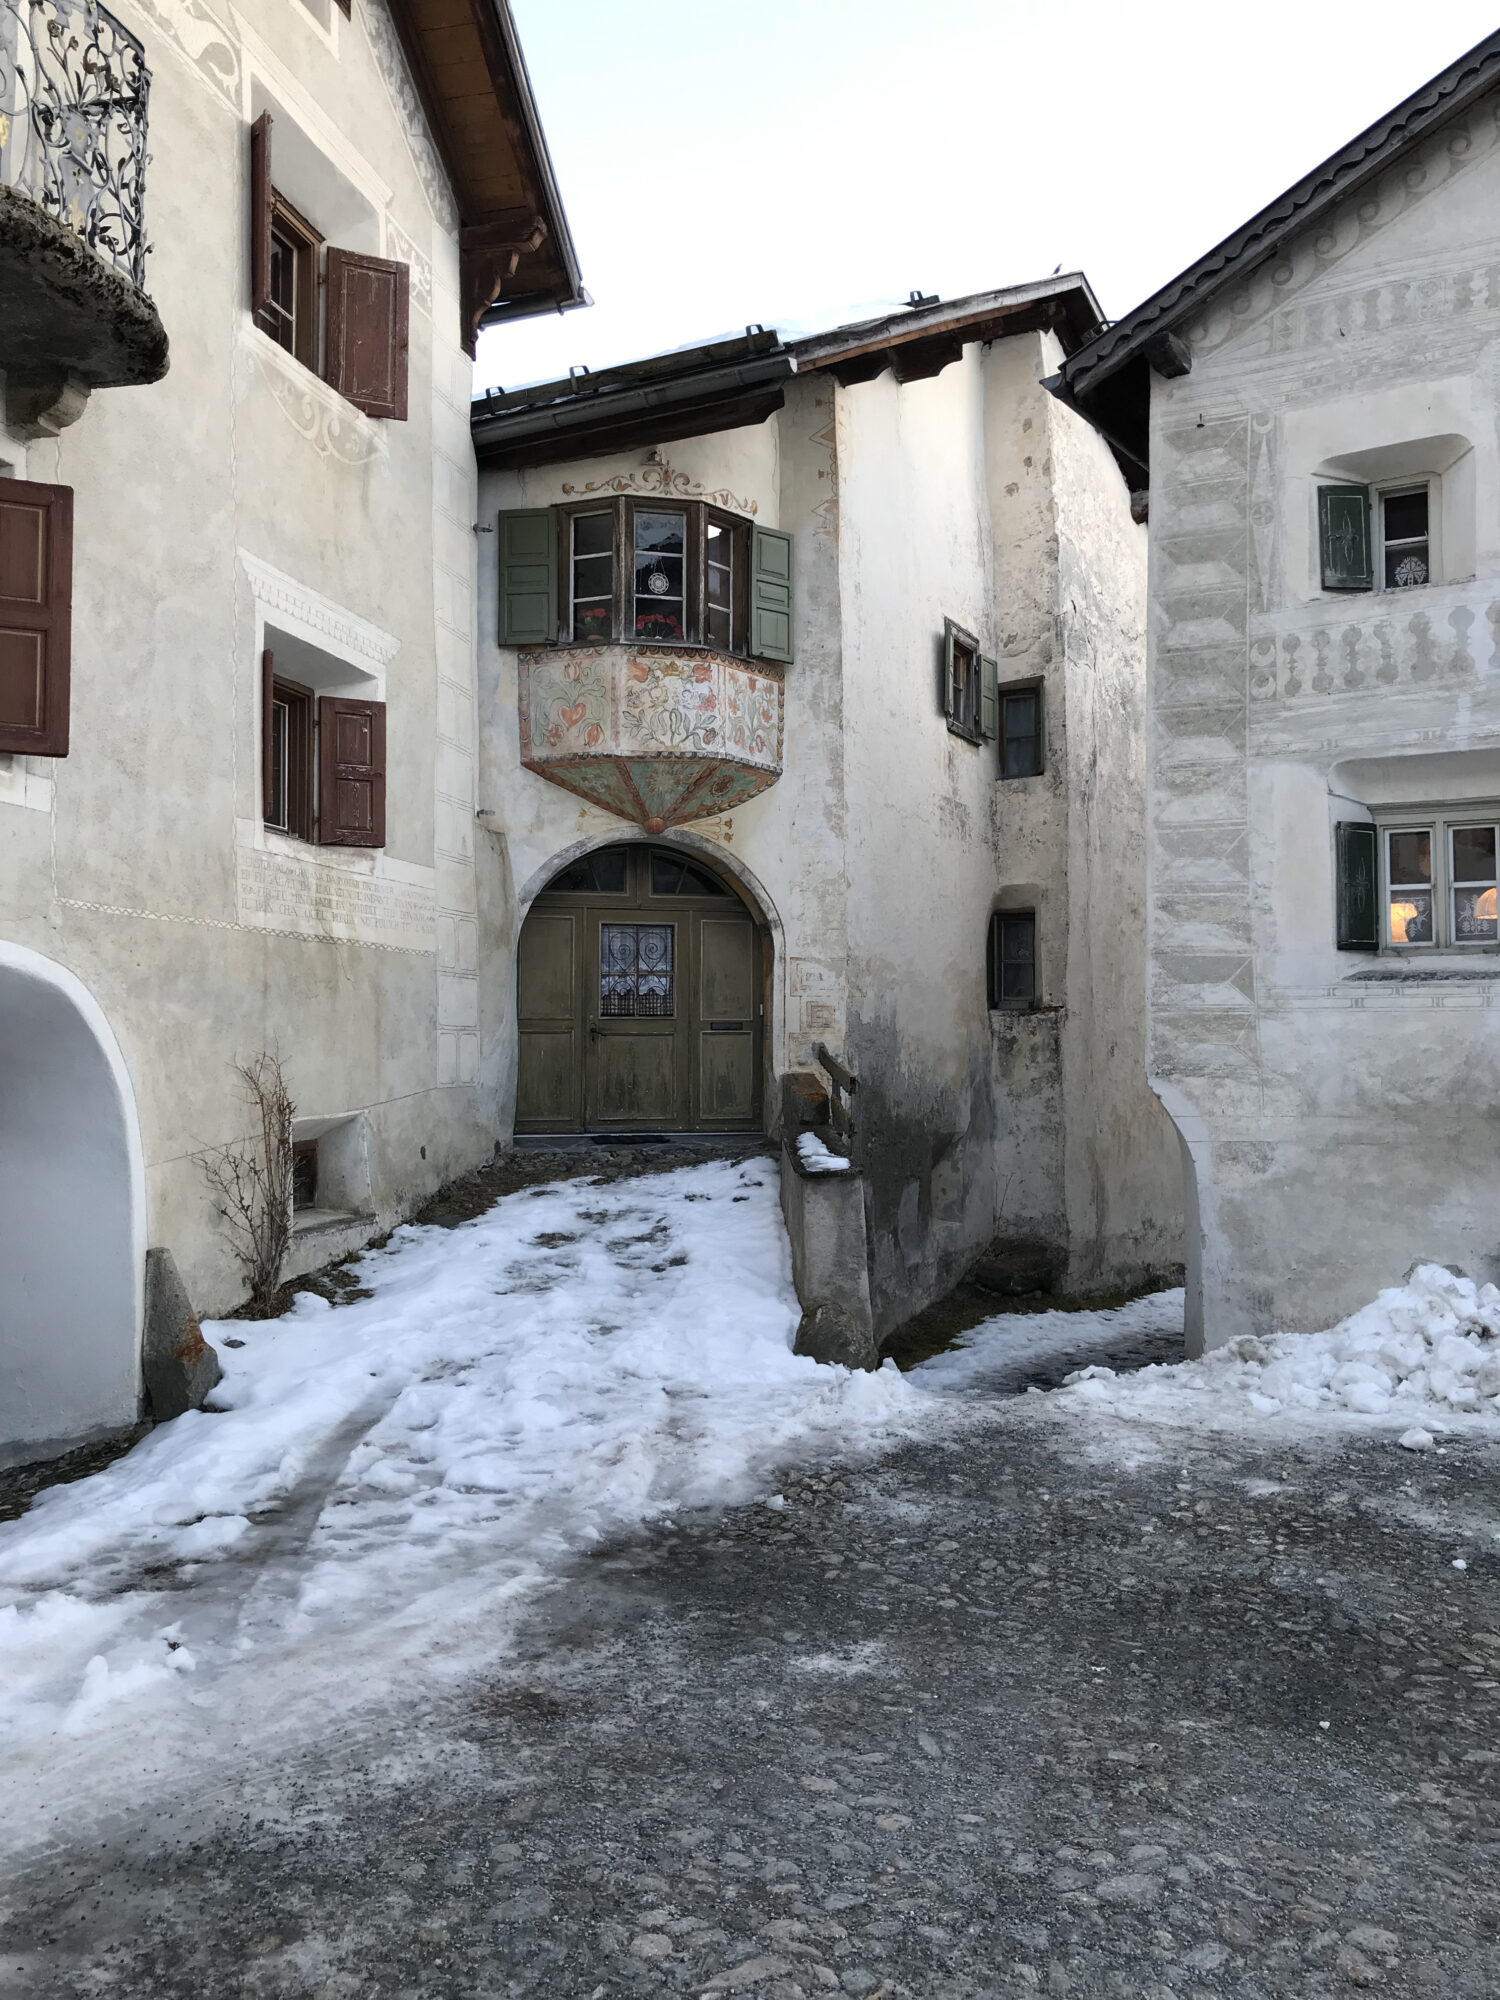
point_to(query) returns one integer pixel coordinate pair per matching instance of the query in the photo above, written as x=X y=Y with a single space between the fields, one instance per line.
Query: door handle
x=593 y=1031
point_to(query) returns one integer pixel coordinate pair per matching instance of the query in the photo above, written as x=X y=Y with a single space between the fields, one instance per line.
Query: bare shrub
x=251 y=1178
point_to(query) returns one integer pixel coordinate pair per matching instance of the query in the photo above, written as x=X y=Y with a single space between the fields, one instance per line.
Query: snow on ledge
x=816 y=1158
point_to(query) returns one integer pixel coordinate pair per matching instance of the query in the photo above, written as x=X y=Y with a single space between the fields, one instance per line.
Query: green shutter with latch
x=1344 y=537
x=989 y=701
x=1357 y=899
x=528 y=577
x=771 y=595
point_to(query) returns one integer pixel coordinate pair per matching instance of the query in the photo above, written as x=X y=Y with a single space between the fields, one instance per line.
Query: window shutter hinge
x=477 y=529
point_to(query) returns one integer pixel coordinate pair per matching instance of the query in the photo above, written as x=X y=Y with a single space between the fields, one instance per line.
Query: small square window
x=1409 y=880
x=1011 y=959
x=1020 y=732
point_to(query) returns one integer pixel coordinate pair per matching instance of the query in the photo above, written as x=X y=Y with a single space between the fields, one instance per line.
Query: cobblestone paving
x=990 y=1717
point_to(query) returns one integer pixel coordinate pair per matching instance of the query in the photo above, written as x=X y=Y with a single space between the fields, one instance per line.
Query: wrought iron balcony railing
x=73 y=90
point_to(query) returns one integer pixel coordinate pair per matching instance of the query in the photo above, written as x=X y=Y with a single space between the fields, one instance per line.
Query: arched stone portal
x=642 y=976
x=72 y=1211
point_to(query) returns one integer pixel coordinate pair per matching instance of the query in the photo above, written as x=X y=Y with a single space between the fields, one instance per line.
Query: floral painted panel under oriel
x=653 y=734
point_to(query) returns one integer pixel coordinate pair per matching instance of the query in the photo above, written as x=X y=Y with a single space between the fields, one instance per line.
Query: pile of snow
x=816 y=1157
x=579 y=1360
x=1427 y=1350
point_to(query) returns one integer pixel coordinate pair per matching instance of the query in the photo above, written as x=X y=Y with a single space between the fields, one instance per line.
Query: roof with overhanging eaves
x=725 y=384
x=1108 y=377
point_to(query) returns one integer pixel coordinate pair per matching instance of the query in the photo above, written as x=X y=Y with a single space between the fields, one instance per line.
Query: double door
x=639 y=1001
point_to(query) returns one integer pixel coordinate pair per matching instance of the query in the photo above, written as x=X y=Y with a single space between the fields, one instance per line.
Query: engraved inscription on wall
x=284 y=892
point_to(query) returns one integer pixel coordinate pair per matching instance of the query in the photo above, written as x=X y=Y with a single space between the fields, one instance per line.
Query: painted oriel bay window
x=645 y=572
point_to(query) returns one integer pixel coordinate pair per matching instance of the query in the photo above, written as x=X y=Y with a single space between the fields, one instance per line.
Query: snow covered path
x=381 y=1480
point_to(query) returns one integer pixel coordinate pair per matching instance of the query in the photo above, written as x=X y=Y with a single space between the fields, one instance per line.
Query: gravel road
x=1003 y=1715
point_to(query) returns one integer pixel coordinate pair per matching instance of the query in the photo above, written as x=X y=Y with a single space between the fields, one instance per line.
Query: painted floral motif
x=657 y=736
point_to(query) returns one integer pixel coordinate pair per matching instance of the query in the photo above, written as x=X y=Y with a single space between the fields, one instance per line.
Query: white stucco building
x=1318 y=401
x=237 y=742
x=811 y=701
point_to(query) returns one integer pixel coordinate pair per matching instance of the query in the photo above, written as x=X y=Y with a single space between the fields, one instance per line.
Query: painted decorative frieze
x=653 y=735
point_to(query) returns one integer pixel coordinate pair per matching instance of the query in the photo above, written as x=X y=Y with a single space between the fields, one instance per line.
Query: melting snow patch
x=816 y=1157
x=379 y=1478
x=1429 y=1349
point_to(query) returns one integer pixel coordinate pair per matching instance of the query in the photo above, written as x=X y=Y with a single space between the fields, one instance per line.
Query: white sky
x=800 y=162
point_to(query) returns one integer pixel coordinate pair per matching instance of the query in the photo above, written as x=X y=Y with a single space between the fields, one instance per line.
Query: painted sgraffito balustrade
x=73 y=97
x=657 y=735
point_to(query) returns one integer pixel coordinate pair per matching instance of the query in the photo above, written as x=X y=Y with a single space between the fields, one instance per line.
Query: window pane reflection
x=660 y=573
x=1410 y=858
x=1411 y=917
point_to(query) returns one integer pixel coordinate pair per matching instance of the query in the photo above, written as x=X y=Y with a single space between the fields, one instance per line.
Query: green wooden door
x=549 y=988
x=639 y=994
x=726 y=1027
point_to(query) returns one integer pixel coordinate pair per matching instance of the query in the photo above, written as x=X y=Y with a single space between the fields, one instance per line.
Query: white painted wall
x=1342 y=1127
x=236 y=503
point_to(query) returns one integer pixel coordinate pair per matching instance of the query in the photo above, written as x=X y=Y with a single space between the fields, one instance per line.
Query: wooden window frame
x=300 y=819
x=1007 y=689
x=961 y=705
x=1000 y=1002
x=623 y=510
x=1398 y=490
x=1439 y=823
x=307 y=248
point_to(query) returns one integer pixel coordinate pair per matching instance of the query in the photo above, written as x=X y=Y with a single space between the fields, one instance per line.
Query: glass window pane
x=635 y=969
x=1017 y=958
x=1405 y=565
x=666 y=875
x=1019 y=734
x=591 y=621
x=1410 y=857
x=593 y=534
x=1473 y=854
x=1406 y=516
x=1411 y=917
x=660 y=570
x=609 y=870
x=1474 y=916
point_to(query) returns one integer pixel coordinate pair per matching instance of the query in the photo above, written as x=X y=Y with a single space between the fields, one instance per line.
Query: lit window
x=1440 y=883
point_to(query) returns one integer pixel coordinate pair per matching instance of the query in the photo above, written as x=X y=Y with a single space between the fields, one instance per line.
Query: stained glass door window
x=636 y=970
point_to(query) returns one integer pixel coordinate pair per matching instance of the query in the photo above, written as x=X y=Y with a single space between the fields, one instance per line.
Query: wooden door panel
x=549 y=1087
x=546 y=1083
x=726 y=969
x=726 y=1077
x=635 y=1080
x=545 y=969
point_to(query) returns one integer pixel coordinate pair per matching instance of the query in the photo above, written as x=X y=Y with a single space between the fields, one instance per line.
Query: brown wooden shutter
x=260 y=213
x=351 y=772
x=367 y=314
x=36 y=616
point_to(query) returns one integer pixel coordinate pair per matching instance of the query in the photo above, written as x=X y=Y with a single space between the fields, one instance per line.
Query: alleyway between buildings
x=551 y=1630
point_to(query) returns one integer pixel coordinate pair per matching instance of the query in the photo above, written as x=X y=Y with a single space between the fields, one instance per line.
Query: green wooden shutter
x=1344 y=537
x=528 y=577
x=989 y=700
x=771 y=595
x=1358 y=901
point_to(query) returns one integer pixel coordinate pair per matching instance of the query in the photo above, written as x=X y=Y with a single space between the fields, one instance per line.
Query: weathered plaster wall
x=1340 y=1127
x=236 y=499
x=914 y=549
x=1123 y=1168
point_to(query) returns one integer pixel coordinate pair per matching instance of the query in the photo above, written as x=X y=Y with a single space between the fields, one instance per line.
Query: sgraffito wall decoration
x=656 y=736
